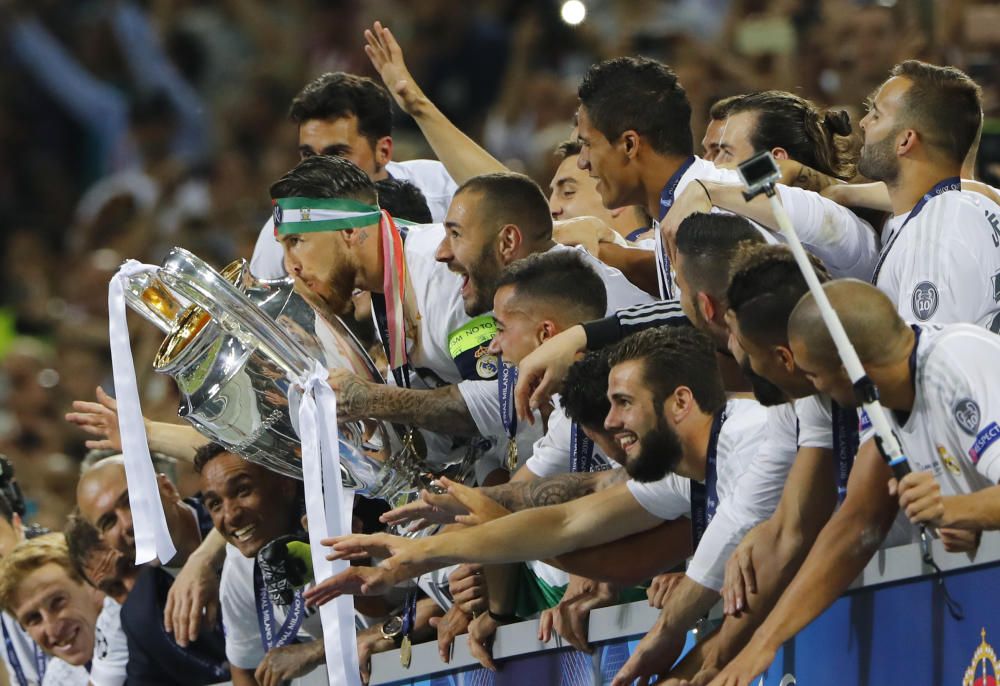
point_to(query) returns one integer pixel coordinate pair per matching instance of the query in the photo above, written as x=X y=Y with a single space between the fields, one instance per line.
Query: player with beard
x=940 y=251
x=494 y=221
x=765 y=286
x=667 y=404
x=934 y=383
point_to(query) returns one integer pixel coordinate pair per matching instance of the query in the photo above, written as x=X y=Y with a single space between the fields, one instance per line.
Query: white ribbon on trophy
x=152 y=537
x=329 y=508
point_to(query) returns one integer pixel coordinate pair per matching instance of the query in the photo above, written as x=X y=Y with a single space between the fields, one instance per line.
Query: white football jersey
x=954 y=426
x=943 y=266
x=110 y=647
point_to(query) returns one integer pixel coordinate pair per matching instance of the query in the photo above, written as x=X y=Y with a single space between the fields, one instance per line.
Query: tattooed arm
x=799 y=175
x=552 y=490
x=440 y=409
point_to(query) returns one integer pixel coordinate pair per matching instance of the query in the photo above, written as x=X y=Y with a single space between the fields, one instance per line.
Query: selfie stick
x=760 y=173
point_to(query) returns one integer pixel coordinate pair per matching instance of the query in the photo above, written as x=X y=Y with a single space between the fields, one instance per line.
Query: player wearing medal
x=941 y=251
x=936 y=384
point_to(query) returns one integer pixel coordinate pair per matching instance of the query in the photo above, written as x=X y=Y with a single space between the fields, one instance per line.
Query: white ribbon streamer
x=329 y=516
x=152 y=537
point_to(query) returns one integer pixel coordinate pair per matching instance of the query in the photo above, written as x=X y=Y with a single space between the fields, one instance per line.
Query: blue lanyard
x=410 y=612
x=581 y=451
x=288 y=633
x=41 y=660
x=845 y=444
x=638 y=232
x=666 y=202
x=506 y=381
x=953 y=183
x=704 y=497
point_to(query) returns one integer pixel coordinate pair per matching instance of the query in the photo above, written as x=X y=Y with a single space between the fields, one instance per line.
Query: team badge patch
x=967 y=415
x=924 y=301
x=950 y=462
x=486 y=364
x=984 y=440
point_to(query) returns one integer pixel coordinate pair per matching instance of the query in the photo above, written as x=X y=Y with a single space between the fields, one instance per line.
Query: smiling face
x=321 y=264
x=881 y=126
x=250 y=506
x=340 y=137
x=606 y=161
x=651 y=446
x=58 y=612
x=469 y=248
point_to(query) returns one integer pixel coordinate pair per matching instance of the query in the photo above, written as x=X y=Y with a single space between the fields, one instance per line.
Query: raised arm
x=460 y=155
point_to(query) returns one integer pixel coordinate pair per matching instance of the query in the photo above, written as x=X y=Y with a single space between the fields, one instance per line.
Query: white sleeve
x=668 y=498
x=749 y=501
x=959 y=376
x=109 y=667
x=815 y=422
x=239 y=614
x=268 y=259
x=846 y=243
x=550 y=453
x=483 y=402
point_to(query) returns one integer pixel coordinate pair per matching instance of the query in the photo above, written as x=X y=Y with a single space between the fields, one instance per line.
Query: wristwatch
x=392 y=629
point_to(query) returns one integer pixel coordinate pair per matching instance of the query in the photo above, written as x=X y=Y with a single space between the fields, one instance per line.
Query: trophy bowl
x=233 y=343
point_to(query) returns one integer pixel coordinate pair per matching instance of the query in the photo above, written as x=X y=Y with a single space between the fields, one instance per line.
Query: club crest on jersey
x=950 y=462
x=967 y=415
x=924 y=301
x=486 y=364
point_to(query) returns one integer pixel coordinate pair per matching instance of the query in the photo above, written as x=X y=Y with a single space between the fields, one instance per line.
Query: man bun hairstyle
x=817 y=138
x=642 y=95
x=675 y=356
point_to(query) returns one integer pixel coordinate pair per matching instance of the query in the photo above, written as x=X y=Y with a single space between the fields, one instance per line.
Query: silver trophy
x=233 y=342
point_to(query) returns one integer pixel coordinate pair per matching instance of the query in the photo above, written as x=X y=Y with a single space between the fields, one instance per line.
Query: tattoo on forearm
x=811 y=180
x=552 y=490
x=441 y=409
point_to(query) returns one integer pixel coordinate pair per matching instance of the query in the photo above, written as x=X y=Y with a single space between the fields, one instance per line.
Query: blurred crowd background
x=128 y=127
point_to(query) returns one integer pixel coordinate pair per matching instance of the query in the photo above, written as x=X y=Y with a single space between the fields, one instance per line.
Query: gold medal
x=511 y=455
x=405 y=652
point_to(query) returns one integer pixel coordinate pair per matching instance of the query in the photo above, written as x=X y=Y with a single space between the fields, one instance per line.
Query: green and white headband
x=305 y=215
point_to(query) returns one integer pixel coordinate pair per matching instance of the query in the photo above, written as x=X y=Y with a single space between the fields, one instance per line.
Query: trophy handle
x=190 y=276
x=157 y=304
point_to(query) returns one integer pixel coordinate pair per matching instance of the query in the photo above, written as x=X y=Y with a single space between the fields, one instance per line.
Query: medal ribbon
x=663 y=271
x=265 y=615
x=704 y=498
x=953 y=183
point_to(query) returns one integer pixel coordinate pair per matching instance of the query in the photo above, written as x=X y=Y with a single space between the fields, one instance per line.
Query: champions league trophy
x=232 y=344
